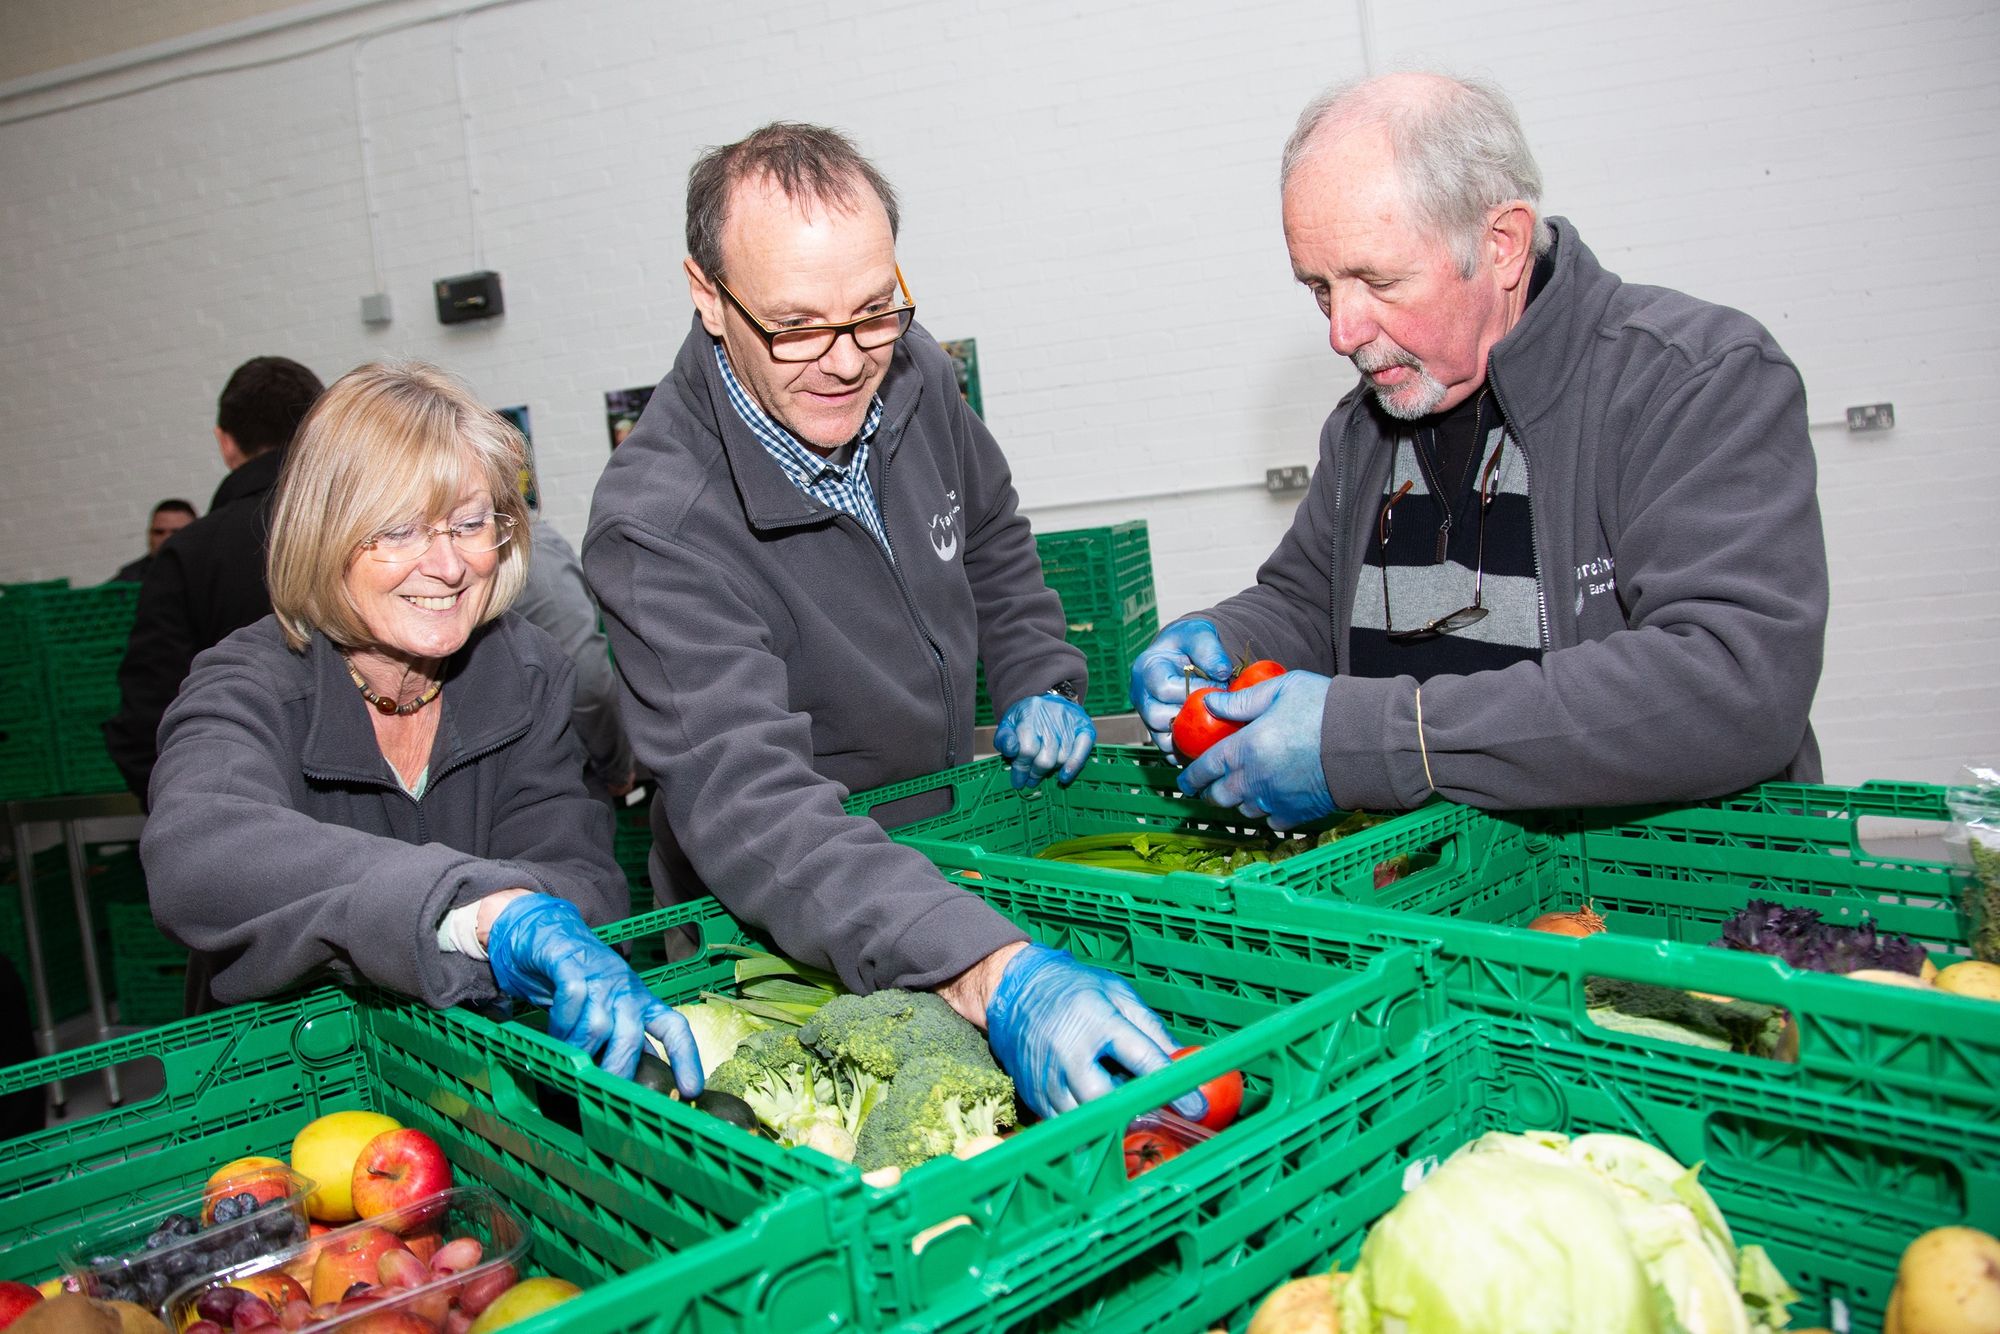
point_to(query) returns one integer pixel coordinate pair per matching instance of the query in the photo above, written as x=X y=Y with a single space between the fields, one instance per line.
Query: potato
x=1302 y=1306
x=1949 y=1283
x=1971 y=978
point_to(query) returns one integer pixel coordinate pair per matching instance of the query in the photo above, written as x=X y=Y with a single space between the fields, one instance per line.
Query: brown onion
x=1582 y=922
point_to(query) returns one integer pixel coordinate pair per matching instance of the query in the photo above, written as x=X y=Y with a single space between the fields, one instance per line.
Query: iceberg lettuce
x=1539 y=1233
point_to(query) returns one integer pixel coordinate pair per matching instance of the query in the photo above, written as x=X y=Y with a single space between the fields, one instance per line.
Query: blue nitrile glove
x=1052 y=1020
x=543 y=952
x=1162 y=679
x=1043 y=735
x=1273 y=766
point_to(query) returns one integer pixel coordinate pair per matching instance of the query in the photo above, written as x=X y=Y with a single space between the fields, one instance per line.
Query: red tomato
x=1147 y=1149
x=1256 y=673
x=1224 y=1094
x=1196 y=729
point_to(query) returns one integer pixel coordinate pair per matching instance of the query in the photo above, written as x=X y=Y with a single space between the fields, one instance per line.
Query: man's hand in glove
x=1043 y=735
x=1052 y=1022
x=1182 y=658
x=1272 y=768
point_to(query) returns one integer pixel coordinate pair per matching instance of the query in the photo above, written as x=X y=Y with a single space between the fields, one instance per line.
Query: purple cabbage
x=1801 y=939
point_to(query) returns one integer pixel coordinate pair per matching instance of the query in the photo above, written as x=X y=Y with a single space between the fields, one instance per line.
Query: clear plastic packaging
x=1975 y=835
x=324 y=1270
x=143 y=1256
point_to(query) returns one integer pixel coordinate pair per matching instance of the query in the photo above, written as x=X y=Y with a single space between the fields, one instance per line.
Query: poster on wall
x=621 y=411
x=964 y=354
x=531 y=490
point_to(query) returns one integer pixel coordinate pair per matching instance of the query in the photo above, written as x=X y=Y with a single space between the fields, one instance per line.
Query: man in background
x=168 y=518
x=209 y=580
x=1563 y=545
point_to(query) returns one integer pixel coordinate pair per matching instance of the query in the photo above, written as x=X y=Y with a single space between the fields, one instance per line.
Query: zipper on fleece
x=1534 y=524
x=910 y=604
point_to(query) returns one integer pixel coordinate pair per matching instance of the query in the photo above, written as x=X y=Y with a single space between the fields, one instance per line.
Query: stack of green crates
x=112 y=881
x=58 y=685
x=1104 y=577
x=28 y=765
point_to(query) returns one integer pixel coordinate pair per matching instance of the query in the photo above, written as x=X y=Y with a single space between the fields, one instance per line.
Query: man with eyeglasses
x=803 y=551
x=1569 y=530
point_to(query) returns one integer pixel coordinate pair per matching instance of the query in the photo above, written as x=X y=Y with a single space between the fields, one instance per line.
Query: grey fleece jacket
x=774 y=659
x=1678 y=547
x=281 y=847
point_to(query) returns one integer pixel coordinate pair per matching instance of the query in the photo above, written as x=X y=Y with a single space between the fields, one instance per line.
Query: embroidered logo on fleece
x=944 y=528
x=1595 y=578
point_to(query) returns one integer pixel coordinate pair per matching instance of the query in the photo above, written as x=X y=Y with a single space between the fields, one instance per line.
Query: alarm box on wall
x=470 y=296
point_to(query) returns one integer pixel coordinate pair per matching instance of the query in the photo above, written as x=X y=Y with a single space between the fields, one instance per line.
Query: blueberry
x=226 y=1209
x=245 y=1202
x=180 y=1225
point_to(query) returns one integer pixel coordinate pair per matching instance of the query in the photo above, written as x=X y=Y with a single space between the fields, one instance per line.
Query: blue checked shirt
x=845 y=489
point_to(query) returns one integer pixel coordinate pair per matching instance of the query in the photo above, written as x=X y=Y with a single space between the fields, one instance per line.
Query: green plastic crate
x=1295 y=1011
x=671 y=1219
x=148 y=971
x=112 y=875
x=995 y=829
x=28 y=763
x=1832 y=1187
x=1101 y=574
x=64 y=647
x=1104 y=577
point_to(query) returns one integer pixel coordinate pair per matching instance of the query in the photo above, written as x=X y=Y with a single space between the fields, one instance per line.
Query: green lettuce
x=1539 y=1233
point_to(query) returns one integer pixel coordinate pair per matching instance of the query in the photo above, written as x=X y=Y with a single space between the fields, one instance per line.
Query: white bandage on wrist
x=458 y=933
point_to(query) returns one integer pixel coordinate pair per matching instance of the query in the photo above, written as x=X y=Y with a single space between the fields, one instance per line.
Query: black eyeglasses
x=810 y=342
x=1489 y=486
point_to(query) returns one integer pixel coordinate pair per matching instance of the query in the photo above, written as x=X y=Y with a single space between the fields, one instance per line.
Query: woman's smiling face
x=426 y=608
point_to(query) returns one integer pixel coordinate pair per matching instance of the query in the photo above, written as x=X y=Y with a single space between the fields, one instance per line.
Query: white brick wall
x=1089 y=190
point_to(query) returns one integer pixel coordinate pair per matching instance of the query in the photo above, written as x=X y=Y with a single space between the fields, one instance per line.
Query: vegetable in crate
x=1156 y=852
x=1539 y=1231
x=1716 y=1022
x=891 y=1078
x=1948 y=1282
x=1801 y=939
x=1975 y=816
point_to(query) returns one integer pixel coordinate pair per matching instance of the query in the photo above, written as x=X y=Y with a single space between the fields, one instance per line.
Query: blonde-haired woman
x=379 y=781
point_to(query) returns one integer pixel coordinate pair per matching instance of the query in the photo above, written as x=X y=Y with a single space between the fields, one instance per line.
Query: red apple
x=423 y=1242
x=398 y=1168
x=16 y=1298
x=353 y=1257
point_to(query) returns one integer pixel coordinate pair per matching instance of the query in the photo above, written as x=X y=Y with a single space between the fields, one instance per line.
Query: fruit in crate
x=531 y=1296
x=15 y=1298
x=254 y=1174
x=396 y=1169
x=355 y=1257
x=327 y=1149
x=273 y=1285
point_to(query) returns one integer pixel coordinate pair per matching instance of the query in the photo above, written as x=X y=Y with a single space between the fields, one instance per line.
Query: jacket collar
x=485 y=681
x=769 y=498
x=1531 y=367
x=253 y=477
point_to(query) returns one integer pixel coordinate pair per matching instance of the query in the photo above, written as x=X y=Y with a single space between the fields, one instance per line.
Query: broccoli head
x=935 y=1105
x=885 y=1030
x=793 y=1093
